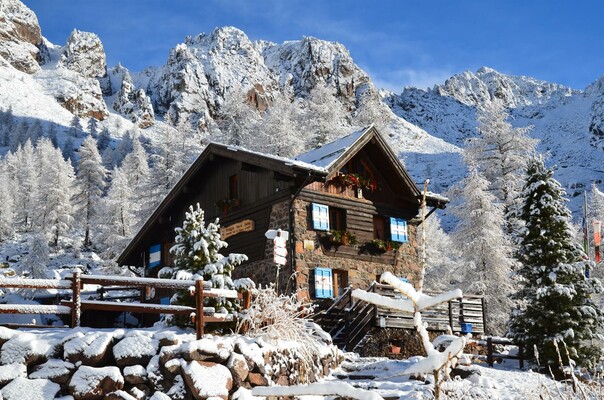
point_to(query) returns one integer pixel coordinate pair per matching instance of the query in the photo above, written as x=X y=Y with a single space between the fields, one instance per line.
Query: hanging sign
x=247 y=225
x=597 y=239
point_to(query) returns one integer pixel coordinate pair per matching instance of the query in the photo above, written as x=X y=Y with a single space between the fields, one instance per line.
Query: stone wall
x=150 y=365
x=360 y=271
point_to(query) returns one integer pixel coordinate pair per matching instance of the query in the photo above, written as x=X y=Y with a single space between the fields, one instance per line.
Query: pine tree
x=52 y=135
x=35 y=131
x=103 y=140
x=555 y=293
x=36 y=262
x=500 y=152
x=90 y=182
x=196 y=255
x=54 y=206
x=69 y=150
x=75 y=127
x=93 y=127
x=442 y=257
x=7 y=125
x=6 y=205
x=486 y=254
x=24 y=175
x=118 y=214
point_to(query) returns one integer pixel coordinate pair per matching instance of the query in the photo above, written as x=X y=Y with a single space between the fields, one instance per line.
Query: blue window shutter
x=323 y=283
x=398 y=230
x=320 y=217
x=154 y=256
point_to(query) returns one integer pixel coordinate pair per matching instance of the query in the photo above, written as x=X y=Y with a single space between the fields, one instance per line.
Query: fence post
x=199 y=320
x=490 y=351
x=521 y=356
x=76 y=303
x=484 y=315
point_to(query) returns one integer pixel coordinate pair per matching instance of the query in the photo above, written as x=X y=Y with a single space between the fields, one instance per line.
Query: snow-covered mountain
x=41 y=80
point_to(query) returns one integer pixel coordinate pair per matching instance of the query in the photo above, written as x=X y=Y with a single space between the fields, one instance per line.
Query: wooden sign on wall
x=247 y=225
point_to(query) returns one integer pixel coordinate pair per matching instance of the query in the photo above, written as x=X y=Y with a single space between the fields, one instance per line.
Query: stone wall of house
x=360 y=272
x=264 y=271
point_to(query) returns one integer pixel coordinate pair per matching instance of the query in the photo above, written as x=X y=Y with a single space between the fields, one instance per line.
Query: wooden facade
x=356 y=181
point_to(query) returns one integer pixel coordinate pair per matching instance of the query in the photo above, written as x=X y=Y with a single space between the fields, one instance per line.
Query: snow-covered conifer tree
x=6 y=205
x=35 y=131
x=52 y=134
x=90 y=180
x=54 y=211
x=93 y=127
x=486 y=254
x=118 y=218
x=36 y=262
x=18 y=136
x=69 y=150
x=75 y=127
x=22 y=171
x=237 y=120
x=500 y=152
x=442 y=256
x=196 y=255
x=103 y=140
x=323 y=117
x=135 y=167
x=7 y=125
x=277 y=131
x=554 y=290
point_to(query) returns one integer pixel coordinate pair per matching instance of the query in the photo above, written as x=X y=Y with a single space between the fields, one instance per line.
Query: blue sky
x=398 y=43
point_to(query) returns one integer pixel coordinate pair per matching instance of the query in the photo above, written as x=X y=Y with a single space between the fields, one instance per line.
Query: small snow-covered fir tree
x=6 y=206
x=486 y=254
x=442 y=257
x=196 y=255
x=555 y=292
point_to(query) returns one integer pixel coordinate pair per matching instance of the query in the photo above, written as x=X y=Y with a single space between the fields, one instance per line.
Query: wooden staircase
x=348 y=321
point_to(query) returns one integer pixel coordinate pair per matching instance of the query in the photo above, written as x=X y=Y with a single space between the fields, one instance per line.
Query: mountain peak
x=21 y=36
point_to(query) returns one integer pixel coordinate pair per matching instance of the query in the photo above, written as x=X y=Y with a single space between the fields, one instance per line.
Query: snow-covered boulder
x=134 y=350
x=91 y=348
x=84 y=54
x=135 y=374
x=26 y=348
x=90 y=383
x=206 y=379
x=58 y=371
x=30 y=389
x=10 y=372
x=20 y=37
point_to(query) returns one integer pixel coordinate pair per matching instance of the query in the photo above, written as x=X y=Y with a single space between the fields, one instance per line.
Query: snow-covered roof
x=285 y=160
x=326 y=155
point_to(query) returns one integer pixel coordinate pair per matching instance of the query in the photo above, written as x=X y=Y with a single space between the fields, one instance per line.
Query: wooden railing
x=75 y=306
x=348 y=321
x=454 y=313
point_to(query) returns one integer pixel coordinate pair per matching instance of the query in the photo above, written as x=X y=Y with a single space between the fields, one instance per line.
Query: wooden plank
x=33 y=309
x=144 y=308
x=20 y=283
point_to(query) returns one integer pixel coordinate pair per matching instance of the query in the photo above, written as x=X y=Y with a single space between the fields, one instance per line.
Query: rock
x=58 y=371
x=464 y=373
x=154 y=375
x=238 y=367
x=140 y=391
x=135 y=349
x=20 y=36
x=119 y=395
x=210 y=349
x=167 y=338
x=12 y=371
x=134 y=104
x=160 y=396
x=90 y=348
x=30 y=389
x=256 y=379
x=90 y=383
x=84 y=54
x=79 y=95
x=26 y=348
x=135 y=374
x=209 y=380
x=6 y=334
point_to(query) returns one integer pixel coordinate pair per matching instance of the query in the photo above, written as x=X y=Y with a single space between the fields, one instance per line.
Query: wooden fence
x=75 y=306
x=492 y=355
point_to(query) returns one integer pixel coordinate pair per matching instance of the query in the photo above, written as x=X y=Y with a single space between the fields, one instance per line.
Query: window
x=323 y=283
x=340 y=281
x=320 y=217
x=233 y=192
x=154 y=256
x=380 y=228
x=330 y=282
x=398 y=230
x=337 y=219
